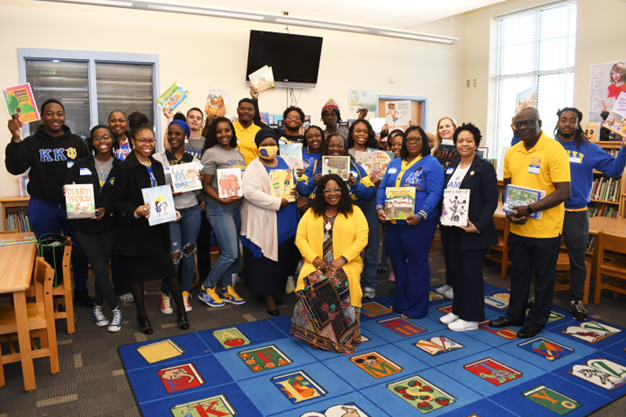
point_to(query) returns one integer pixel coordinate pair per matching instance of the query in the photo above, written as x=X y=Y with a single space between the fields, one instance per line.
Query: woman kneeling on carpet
x=331 y=235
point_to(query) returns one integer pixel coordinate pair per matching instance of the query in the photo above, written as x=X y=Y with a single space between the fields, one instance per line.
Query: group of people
x=328 y=234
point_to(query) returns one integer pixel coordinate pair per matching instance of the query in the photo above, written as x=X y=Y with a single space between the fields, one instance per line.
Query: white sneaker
x=449 y=294
x=449 y=318
x=369 y=293
x=463 y=326
x=187 y=301
x=166 y=306
x=116 y=323
x=98 y=317
x=442 y=290
x=127 y=298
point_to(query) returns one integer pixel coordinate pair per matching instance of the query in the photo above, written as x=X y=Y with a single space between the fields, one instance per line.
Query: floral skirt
x=323 y=315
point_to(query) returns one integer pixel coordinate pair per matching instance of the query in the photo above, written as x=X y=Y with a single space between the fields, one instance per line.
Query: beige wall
x=201 y=52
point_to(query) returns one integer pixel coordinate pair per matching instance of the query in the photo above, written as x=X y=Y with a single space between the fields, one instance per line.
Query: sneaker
x=98 y=317
x=449 y=318
x=127 y=298
x=116 y=323
x=392 y=277
x=449 y=294
x=83 y=298
x=234 y=279
x=187 y=301
x=579 y=312
x=369 y=292
x=210 y=297
x=463 y=326
x=229 y=295
x=291 y=287
x=442 y=290
x=382 y=268
x=166 y=306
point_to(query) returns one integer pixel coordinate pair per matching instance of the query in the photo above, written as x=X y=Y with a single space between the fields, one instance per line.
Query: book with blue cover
x=162 y=208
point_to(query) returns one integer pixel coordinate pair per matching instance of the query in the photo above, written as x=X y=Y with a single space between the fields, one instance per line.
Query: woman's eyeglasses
x=413 y=140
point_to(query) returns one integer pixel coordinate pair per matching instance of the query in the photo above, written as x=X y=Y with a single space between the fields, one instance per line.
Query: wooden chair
x=40 y=319
x=562 y=277
x=500 y=251
x=615 y=266
x=63 y=292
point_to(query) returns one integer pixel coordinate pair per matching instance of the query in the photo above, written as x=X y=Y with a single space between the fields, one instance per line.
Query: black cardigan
x=482 y=182
x=135 y=237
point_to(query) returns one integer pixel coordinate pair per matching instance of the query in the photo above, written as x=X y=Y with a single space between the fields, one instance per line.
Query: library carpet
x=404 y=367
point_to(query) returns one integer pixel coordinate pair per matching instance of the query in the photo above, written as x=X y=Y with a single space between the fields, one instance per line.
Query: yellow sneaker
x=230 y=296
x=210 y=297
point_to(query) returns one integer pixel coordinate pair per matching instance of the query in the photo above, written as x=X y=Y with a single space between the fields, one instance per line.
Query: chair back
x=44 y=278
x=612 y=243
x=67 y=258
x=502 y=223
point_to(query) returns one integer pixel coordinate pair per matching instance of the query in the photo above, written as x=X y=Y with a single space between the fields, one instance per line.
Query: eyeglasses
x=99 y=138
x=293 y=117
x=525 y=123
x=411 y=140
x=149 y=141
x=334 y=190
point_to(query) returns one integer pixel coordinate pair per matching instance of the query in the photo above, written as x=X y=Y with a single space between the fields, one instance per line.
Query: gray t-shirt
x=218 y=158
x=194 y=146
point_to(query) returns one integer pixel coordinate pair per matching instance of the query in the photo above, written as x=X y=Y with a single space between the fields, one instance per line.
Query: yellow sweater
x=349 y=240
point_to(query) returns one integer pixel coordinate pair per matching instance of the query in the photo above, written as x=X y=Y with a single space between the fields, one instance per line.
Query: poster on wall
x=398 y=113
x=608 y=80
x=527 y=98
x=362 y=99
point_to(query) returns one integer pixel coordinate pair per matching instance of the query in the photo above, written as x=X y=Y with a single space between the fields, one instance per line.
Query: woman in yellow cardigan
x=331 y=236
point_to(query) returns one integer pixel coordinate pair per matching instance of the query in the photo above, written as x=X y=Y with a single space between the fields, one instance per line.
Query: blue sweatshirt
x=582 y=163
x=425 y=174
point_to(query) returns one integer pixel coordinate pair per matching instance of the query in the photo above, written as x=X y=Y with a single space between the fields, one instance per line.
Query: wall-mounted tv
x=295 y=59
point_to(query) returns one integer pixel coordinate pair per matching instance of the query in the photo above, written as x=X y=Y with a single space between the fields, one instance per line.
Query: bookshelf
x=608 y=195
x=13 y=207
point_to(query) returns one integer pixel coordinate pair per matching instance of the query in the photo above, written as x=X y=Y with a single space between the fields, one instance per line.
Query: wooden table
x=605 y=224
x=17 y=263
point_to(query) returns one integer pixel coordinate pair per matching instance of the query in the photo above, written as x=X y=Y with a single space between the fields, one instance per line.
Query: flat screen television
x=295 y=59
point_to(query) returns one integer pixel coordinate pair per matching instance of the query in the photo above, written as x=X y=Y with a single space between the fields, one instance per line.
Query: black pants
x=99 y=248
x=576 y=236
x=465 y=269
x=119 y=274
x=540 y=254
x=203 y=248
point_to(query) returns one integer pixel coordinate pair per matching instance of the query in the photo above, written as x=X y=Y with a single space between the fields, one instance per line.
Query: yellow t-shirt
x=539 y=168
x=246 y=145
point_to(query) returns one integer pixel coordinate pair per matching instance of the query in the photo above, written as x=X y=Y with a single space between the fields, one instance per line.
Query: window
x=535 y=49
x=91 y=84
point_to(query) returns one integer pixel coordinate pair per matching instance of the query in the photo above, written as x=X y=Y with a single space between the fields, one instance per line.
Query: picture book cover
x=455 y=207
x=216 y=102
x=381 y=162
x=515 y=196
x=438 y=344
x=229 y=182
x=265 y=117
x=20 y=103
x=399 y=202
x=616 y=123
x=23 y=182
x=263 y=78
x=266 y=358
x=173 y=96
x=162 y=209
x=79 y=201
x=281 y=184
x=292 y=154
x=180 y=377
x=362 y=99
x=366 y=160
x=217 y=405
x=526 y=98
x=377 y=124
x=398 y=113
x=446 y=154
x=185 y=177
x=231 y=337
x=160 y=351
x=421 y=394
x=339 y=165
x=592 y=130
x=18 y=241
x=298 y=386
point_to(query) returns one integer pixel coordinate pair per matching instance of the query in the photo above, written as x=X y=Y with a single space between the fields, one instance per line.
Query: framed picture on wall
x=482 y=152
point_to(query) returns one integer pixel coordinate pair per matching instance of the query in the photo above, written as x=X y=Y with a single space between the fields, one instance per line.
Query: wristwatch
x=530 y=209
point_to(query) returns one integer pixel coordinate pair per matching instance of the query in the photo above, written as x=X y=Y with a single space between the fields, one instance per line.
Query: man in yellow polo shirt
x=246 y=129
x=538 y=162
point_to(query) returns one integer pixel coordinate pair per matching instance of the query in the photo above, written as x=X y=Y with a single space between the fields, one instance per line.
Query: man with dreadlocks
x=584 y=157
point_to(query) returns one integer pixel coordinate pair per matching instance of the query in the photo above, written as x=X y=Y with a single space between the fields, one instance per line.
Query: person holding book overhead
x=584 y=157
x=465 y=246
x=97 y=235
x=539 y=163
x=146 y=249
x=223 y=212
x=49 y=153
x=268 y=223
x=410 y=239
x=331 y=236
x=183 y=233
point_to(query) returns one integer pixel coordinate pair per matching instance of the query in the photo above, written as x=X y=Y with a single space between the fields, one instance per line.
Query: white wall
x=201 y=52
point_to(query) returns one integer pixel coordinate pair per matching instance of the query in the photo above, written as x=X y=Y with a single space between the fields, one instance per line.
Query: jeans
x=183 y=234
x=99 y=248
x=370 y=254
x=45 y=217
x=203 y=245
x=226 y=223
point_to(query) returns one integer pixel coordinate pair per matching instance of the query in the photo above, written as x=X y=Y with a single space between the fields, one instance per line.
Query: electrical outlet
x=475 y=83
x=468 y=83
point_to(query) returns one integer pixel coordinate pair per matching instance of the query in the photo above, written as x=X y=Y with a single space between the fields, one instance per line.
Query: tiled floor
x=92 y=380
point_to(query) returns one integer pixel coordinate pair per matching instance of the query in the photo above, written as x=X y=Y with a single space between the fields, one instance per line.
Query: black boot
x=181 y=319
x=144 y=325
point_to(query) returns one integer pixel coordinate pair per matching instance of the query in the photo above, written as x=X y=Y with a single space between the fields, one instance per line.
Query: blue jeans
x=370 y=254
x=184 y=233
x=45 y=217
x=225 y=223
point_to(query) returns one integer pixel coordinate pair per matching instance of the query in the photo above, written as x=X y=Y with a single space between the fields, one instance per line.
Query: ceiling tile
x=434 y=13
x=374 y=18
x=256 y=5
x=405 y=22
x=334 y=12
x=294 y=7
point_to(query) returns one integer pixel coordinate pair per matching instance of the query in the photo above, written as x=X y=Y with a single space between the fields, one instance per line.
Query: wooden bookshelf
x=12 y=205
x=620 y=204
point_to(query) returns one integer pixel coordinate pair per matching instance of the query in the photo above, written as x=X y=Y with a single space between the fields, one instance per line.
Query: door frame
x=423 y=106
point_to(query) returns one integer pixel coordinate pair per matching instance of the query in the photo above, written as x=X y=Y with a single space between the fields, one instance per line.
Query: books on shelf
x=173 y=96
x=281 y=184
x=292 y=154
x=605 y=210
x=515 y=196
x=162 y=208
x=185 y=177
x=399 y=202
x=263 y=78
x=455 y=207
x=606 y=189
x=80 y=202
x=20 y=103
x=17 y=222
x=339 y=165
x=229 y=182
x=18 y=241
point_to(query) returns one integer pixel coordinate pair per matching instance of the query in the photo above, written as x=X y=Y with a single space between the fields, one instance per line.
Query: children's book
x=398 y=113
x=265 y=117
x=455 y=207
x=446 y=154
x=377 y=124
x=616 y=123
x=18 y=241
x=79 y=201
x=399 y=202
x=592 y=130
x=216 y=102
x=23 y=181
x=339 y=165
x=162 y=209
x=362 y=99
x=173 y=96
x=515 y=196
x=229 y=182
x=262 y=79
x=20 y=103
x=292 y=154
x=160 y=351
x=281 y=184
x=381 y=162
x=366 y=160
x=185 y=177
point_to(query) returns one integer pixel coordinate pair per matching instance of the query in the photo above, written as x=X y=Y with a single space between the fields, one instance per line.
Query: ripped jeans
x=226 y=223
x=183 y=235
